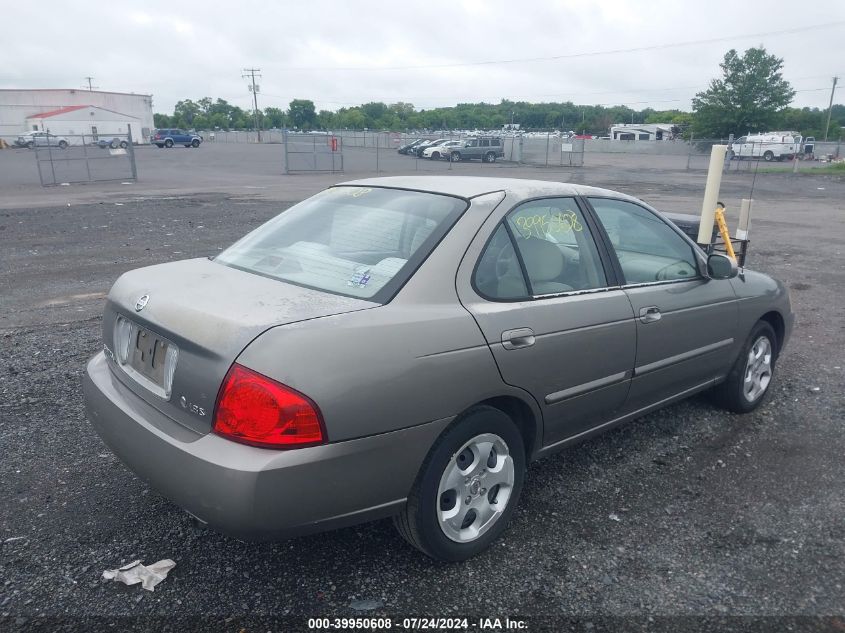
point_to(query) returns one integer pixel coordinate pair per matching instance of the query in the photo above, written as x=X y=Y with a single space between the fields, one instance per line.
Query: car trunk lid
x=209 y=312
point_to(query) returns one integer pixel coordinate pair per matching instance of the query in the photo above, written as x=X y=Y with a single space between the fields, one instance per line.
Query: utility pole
x=830 y=106
x=90 y=87
x=251 y=72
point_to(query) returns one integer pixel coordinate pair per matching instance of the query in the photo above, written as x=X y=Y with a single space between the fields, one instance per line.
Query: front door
x=556 y=323
x=686 y=323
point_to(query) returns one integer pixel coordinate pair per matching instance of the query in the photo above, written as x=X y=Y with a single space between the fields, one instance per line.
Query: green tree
x=162 y=120
x=185 y=112
x=301 y=114
x=749 y=97
x=274 y=117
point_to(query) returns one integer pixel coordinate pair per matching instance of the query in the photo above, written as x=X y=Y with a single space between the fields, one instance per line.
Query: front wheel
x=467 y=488
x=124 y=144
x=195 y=143
x=435 y=156
x=749 y=379
x=62 y=144
x=456 y=157
x=768 y=156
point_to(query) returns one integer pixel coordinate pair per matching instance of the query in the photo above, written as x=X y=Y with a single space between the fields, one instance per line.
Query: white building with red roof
x=86 y=112
x=82 y=124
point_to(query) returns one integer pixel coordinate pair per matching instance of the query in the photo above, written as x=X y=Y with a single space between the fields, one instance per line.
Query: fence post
x=85 y=153
x=131 y=148
x=548 y=138
x=689 y=153
x=50 y=154
x=285 y=143
x=377 y=152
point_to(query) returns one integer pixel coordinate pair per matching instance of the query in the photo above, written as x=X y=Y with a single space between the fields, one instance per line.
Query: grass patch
x=833 y=168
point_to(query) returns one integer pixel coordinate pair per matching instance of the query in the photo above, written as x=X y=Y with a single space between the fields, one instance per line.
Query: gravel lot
x=688 y=511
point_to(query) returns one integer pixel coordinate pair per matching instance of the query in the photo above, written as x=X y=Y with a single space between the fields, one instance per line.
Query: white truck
x=768 y=146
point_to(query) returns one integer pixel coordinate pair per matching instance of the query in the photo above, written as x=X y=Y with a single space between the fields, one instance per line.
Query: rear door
x=556 y=321
x=686 y=323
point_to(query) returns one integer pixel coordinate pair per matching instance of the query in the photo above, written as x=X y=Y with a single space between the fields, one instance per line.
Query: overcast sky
x=346 y=53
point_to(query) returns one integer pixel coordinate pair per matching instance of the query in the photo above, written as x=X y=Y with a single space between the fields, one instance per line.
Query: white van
x=770 y=146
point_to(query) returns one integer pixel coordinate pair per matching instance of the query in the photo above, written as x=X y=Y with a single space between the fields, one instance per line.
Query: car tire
x=422 y=522
x=62 y=144
x=768 y=156
x=168 y=143
x=124 y=144
x=490 y=157
x=751 y=376
x=435 y=156
x=30 y=145
x=195 y=143
x=456 y=157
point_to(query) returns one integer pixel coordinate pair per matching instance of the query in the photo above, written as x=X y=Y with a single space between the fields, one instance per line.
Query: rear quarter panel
x=417 y=359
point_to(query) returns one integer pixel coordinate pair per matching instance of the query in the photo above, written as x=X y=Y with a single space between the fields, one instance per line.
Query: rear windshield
x=353 y=241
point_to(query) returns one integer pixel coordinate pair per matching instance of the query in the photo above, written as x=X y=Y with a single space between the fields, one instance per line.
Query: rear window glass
x=354 y=241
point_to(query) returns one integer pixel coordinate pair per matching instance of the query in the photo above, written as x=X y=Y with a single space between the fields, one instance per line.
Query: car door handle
x=519 y=338
x=650 y=314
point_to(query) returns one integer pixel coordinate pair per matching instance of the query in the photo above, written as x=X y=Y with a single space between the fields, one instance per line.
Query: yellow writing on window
x=542 y=225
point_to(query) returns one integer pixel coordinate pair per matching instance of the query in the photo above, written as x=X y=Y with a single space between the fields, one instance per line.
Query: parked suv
x=41 y=139
x=487 y=148
x=172 y=136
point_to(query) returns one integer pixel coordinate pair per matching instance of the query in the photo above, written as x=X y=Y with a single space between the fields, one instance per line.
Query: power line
x=251 y=72
x=524 y=60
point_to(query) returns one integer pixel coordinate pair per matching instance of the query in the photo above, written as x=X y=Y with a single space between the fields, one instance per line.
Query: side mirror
x=721 y=266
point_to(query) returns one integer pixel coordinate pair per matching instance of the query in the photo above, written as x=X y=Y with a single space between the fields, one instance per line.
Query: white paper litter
x=135 y=572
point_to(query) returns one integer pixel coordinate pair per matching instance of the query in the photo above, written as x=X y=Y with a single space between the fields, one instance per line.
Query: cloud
x=199 y=49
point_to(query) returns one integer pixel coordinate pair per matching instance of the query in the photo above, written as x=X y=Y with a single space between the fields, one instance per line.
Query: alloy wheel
x=475 y=488
x=758 y=369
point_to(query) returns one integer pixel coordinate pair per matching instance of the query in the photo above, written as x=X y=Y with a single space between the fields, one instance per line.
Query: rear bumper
x=254 y=493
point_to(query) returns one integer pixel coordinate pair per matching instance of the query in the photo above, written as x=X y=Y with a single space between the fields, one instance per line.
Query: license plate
x=147 y=355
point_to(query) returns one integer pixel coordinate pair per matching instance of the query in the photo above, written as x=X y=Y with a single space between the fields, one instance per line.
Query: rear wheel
x=168 y=143
x=490 y=157
x=62 y=144
x=124 y=144
x=30 y=145
x=456 y=157
x=467 y=488
x=752 y=373
x=768 y=156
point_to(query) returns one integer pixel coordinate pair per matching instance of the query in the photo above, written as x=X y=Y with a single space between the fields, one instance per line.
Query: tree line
x=750 y=96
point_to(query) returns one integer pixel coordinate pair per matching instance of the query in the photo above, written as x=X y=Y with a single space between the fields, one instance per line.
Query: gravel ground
x=688 y=511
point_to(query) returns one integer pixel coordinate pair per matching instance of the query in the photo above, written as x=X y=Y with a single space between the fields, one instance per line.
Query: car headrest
x=543 y=260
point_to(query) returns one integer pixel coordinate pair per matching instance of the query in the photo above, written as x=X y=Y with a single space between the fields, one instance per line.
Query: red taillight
x=158 y=135
x=257 y=410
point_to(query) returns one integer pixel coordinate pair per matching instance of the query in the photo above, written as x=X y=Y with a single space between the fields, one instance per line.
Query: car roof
x=472 y=186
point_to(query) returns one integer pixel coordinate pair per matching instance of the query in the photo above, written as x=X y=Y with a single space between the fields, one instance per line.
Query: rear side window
x=552 y=252
x=647 y=248
x=354 y=241
x=485 y=143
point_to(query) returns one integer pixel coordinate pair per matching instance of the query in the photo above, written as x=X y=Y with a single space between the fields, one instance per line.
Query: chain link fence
x=376 y=151
x=311 y=153
x=83 y=158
